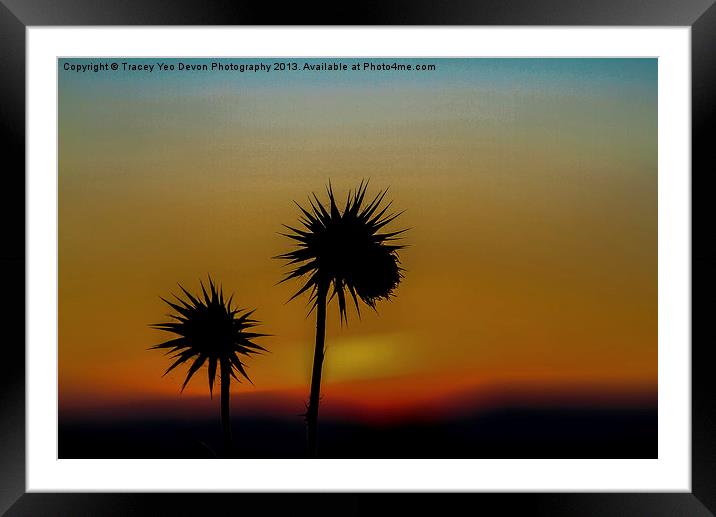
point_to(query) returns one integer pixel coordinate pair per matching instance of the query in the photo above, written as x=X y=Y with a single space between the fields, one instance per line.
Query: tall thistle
x=344 y=253
x=210 y=331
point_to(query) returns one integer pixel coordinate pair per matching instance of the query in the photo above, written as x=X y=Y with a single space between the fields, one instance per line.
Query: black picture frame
x=16 y=15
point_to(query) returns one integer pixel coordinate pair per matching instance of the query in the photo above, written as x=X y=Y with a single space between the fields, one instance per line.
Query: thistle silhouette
x=344 y=251
x=210 y=330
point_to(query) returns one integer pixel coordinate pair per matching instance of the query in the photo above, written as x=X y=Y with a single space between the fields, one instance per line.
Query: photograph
x=357 y=257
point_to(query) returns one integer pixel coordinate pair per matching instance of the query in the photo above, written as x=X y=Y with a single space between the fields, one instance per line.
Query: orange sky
x=532 y=260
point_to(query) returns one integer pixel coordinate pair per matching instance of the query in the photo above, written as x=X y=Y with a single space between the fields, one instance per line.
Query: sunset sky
x=529 y=187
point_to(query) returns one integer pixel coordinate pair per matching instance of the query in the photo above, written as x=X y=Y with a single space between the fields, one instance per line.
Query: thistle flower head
x=209 y=330
x=348 y=249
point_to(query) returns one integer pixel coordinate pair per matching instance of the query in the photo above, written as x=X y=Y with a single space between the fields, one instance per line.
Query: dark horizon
x=508 y=432
x=269 y=425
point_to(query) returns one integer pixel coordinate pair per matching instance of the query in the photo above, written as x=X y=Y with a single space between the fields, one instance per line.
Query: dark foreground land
x=504 y=433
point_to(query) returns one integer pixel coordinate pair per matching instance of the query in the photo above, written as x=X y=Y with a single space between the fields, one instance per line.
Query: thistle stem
x=319 y=352
x=225 y=407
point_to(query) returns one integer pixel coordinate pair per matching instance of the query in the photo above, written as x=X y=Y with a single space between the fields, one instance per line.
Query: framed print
x=331 y=261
